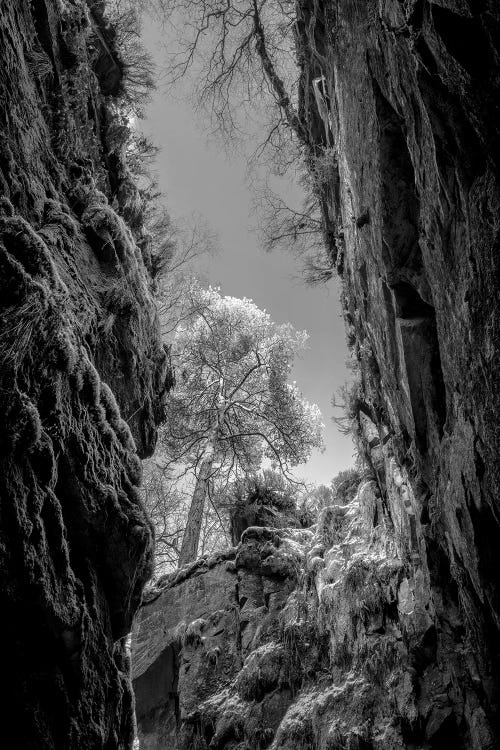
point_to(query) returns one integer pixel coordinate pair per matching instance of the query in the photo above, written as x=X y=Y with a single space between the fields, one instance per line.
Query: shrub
x=345 y=485
x=141 y=153
x=320 y=168
x=318 y=267
x=137 y=66
x=163 y=244
x=350 y=401
x=264 y=499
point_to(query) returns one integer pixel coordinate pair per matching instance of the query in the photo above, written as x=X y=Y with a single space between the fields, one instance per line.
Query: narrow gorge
x=376 y=625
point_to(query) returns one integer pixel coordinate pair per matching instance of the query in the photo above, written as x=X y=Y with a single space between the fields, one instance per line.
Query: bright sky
x=197 y=177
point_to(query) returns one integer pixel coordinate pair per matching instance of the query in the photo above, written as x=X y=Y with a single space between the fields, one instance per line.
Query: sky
x=197 y=176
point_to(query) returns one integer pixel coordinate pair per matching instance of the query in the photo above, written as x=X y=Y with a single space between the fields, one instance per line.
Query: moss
x=379 y=658
x=107 y=234
x=296 y=730
x=134 y=468
x=57 y=448
x=91 y=390
x=120 y=301
x=6 y=207
x=124 y=435
x=19 y=328
x=364 y=590
x=120 y=427
x=109 y=404
x=229 y=730
x=22 y=427
x=129 y=202
x=76 y=380
x=257 y=735
x=57 y=214
x=261 y=673
x=65 y=351
x=342 y=655
x=356 y=576
x=28 y=248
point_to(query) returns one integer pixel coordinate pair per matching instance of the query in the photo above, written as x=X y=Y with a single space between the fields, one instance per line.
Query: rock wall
x=83 y=371
x=314 y=639
x=380 y=628
x=195 y=635
x=412 y=206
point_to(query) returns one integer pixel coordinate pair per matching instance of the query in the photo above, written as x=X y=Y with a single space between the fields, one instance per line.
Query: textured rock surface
x=414 y=202
x=211 y=627
x=321 y=638
x=80 y=354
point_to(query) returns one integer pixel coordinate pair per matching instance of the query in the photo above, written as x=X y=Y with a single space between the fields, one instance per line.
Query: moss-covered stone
x=78 y=399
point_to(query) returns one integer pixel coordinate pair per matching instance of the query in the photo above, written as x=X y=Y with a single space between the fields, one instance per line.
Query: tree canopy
x=233 y=407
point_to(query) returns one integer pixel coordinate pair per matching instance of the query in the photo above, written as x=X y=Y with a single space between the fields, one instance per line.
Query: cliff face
x=323 y=638
x=83 y=370
x=413 y=201
x=389 y=636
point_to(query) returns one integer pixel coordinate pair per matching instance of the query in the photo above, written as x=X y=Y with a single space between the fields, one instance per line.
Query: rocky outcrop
x=83 y=371
x=323 y=638
x=194 y=634
x=411 y=206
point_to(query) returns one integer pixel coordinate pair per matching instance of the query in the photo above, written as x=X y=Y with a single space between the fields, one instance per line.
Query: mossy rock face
x=277 y=661
x=265 y=501
x=22 y=427
x=75 y=544
x=261 y=673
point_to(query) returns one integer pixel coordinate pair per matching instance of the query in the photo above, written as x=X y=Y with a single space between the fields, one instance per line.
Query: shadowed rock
x=83 y=370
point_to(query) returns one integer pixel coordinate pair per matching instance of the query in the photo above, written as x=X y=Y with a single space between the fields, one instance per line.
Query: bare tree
x=287 y=225
x=141 y=154
x=244 y=58
x=137 y=66
x=176 y=256
x=295 y=228
x=239 y=53
x=167 y=508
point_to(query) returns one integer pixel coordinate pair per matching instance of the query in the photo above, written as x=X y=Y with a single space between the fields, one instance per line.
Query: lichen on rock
x=80 y=391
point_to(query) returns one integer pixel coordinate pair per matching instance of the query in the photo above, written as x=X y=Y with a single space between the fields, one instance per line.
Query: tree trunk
x=275 y=81
x=191 y=536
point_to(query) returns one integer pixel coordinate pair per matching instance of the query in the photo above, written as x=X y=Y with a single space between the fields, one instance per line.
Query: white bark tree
x=232 y=406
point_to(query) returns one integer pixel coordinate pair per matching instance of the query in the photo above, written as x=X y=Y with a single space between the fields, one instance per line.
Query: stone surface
x=414 y=204
x=323 y=638
x=82 y=374
x=221 y=619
